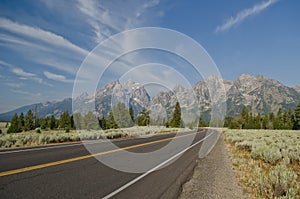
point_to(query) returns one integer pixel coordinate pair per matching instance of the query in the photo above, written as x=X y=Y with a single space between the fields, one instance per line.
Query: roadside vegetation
x=32 y=138
x=267 y=162
x=29 y=130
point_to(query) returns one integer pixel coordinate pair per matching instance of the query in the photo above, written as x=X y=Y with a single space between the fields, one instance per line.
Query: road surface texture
x=70 y=171
x=213 y=177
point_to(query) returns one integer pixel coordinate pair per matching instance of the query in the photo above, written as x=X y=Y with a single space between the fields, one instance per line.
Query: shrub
x=38 y=131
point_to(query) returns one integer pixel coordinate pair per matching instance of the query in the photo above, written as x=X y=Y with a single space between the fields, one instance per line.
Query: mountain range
x=257 y=93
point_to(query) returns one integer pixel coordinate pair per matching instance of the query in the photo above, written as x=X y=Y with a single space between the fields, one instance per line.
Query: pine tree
x=65 y=120
x=52 y=124
x=289 y=118
x=143 y=118
x=21 y=119
x=14 y=125
x=297 y=118
x=202 y=123
x=28 y=123
x=111 y=123
x=102 y=123
x=122 y=116
x=131 y=113
x=91 y=121
x=176 y=118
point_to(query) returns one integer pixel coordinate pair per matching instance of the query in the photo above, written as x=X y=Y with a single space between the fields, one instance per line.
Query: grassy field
x=267 y=162
x=32 y=138
x=4 y=126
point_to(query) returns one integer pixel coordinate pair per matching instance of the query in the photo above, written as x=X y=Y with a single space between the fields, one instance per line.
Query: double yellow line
x=30 y=168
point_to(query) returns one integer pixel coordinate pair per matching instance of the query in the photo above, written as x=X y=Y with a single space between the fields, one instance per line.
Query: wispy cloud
x=40 y=34
x=57 y=77
x=107 y=19
x=242 y=15
x=22 y=73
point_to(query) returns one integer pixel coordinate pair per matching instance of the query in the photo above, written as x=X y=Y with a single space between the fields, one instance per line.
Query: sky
x=44 y=43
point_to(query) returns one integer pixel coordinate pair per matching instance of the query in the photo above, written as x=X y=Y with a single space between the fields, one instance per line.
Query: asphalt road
x=70 y=171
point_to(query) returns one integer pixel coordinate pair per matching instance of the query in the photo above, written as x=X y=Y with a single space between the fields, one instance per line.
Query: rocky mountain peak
x=297 y=88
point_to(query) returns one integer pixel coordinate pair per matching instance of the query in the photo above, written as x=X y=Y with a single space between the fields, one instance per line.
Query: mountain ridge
x=257 y=93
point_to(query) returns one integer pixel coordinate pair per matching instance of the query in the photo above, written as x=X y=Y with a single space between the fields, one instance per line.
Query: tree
x=176 y=118
x=52 y=124
x=14 y=125
x=72 y=123
x=65 y=120
x=21 y=120
x=122 y=116
x=29 y=123
x=131 y=113
x=143 y=118
x=111 y=123
x=202 y=123
x=44 y=122
x=91 y=121
x=102 y=123
x=79 y=121
x=297 y=118
x=289 y=119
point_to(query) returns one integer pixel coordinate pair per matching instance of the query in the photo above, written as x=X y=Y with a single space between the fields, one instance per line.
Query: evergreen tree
x=289 y=120
x=143 y=118
x=131 y=113
x=91 y=121
x=21 y=119
x=52 y=124
x=102 y=123
x=72 y=123
x=176 y=118
x=65 y=120
x=28 y=122
x=202 y=123
x=297 y=118
x=111 y=123
x=14 y=125
x=44 y=122
x=79 y=122
x=122 y=116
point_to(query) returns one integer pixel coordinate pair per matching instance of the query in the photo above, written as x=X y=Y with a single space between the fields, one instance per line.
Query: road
x=70 y=171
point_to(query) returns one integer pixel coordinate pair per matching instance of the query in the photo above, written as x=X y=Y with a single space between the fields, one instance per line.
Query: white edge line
x=38 y=149
x=153 y=169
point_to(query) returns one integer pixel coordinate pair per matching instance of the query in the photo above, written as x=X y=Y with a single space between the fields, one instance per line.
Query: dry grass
x=266 y=162
x=32 y=138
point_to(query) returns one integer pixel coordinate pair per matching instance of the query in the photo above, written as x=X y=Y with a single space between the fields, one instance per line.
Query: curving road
x=70 y=171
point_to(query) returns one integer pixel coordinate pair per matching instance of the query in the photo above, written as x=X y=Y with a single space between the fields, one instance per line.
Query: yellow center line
x=30 y=168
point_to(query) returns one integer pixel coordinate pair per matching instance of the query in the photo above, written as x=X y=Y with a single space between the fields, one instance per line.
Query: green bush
x=38 y=131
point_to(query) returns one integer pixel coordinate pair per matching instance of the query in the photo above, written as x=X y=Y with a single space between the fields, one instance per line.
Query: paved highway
x=70 y=171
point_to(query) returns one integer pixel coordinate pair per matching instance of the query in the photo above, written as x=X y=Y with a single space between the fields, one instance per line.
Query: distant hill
x=257 y=93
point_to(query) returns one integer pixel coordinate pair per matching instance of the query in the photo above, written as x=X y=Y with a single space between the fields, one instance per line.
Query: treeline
x=28 y=122
x=119 y=117
x=288 y=120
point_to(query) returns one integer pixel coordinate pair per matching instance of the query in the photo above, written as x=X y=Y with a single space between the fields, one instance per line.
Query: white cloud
x=242 y=15
x=107 y=19
x=57 y=77
x=39 y=34
x=22 y=73
x=14 y=84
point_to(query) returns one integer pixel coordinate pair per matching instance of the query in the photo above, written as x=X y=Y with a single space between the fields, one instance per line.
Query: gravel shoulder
x=213 y=177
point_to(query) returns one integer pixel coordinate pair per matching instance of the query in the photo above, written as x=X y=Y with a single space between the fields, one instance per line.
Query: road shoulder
x=213 y=177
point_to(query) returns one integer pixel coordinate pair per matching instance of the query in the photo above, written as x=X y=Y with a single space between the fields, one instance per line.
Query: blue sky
x=43 y=43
